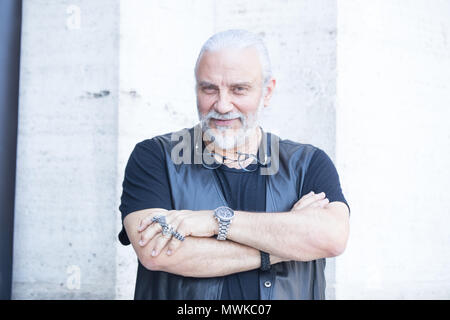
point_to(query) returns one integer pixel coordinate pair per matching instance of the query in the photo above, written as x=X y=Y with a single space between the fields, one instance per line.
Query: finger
x=308 y=201
x=175 y=244
x=148 y=220
x=306 y=196
x=149 y=234
x=173 y=218
x=324 y=202
x=298 y=204
x=175 y=224
x=320 y=203
x=161 y=242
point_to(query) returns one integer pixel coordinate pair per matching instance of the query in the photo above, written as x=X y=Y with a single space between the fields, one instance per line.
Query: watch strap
x=223 y=230
x=265 y=261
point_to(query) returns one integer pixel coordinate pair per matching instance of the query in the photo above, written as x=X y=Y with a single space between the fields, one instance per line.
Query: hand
x=185 y=222
x=311 y=200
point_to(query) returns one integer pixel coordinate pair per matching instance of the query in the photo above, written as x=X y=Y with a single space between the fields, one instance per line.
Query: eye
x=239 y=90
x=209 y=90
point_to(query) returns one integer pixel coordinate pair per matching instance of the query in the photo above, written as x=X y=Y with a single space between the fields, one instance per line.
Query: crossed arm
x=313 y=229
x=197 y=256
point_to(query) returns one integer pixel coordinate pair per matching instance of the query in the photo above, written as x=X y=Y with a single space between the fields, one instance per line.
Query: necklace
x=213 y=160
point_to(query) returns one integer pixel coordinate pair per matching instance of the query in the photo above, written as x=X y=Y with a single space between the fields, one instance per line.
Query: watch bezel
x=218 y=215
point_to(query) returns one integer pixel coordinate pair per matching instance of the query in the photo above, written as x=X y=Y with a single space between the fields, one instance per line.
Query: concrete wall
x=65 y=229
x=96 y=78
x=392 y=147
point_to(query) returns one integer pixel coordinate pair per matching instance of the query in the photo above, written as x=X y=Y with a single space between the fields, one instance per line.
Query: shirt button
x=267 y=284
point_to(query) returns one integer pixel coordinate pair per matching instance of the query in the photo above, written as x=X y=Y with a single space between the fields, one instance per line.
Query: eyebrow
x=241 y=84
x=211 y=85
x=206 y=84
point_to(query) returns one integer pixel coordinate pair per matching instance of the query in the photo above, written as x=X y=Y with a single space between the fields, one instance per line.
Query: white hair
x=239 y=39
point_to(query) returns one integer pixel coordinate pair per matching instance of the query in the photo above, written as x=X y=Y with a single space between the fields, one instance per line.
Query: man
x=254 y=217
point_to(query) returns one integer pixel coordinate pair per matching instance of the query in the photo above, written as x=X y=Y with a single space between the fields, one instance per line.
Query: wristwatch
x=224 y=215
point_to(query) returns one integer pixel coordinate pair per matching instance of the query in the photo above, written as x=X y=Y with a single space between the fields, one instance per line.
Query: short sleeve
x=145 y=183
x=322 y=176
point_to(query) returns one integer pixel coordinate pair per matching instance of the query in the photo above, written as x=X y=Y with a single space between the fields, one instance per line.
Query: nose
x=223 y=104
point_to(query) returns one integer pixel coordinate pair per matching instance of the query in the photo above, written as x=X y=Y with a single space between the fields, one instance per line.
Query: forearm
x=208 y=257
x=309 y=234
x=196 y=257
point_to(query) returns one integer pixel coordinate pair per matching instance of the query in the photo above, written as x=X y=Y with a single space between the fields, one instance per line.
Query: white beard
x=226 y=138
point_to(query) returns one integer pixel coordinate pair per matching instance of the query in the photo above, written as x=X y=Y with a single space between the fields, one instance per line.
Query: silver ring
x=167 y=231
x=160 y=219
x=178 y=235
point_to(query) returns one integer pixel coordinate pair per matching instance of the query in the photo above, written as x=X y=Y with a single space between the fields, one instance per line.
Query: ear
x=270 y=87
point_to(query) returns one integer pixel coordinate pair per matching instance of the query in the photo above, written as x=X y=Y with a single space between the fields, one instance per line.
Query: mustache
x=205 y=120
x=219 y=116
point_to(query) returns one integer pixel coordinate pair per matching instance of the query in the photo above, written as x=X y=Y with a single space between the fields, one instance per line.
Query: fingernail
x=141 y=243
x=169 y=252
x=153 y=253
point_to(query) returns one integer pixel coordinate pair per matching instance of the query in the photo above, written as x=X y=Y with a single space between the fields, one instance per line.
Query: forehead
x=230 y=65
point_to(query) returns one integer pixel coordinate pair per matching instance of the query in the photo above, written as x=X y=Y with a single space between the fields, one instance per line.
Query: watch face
x=224 y=213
